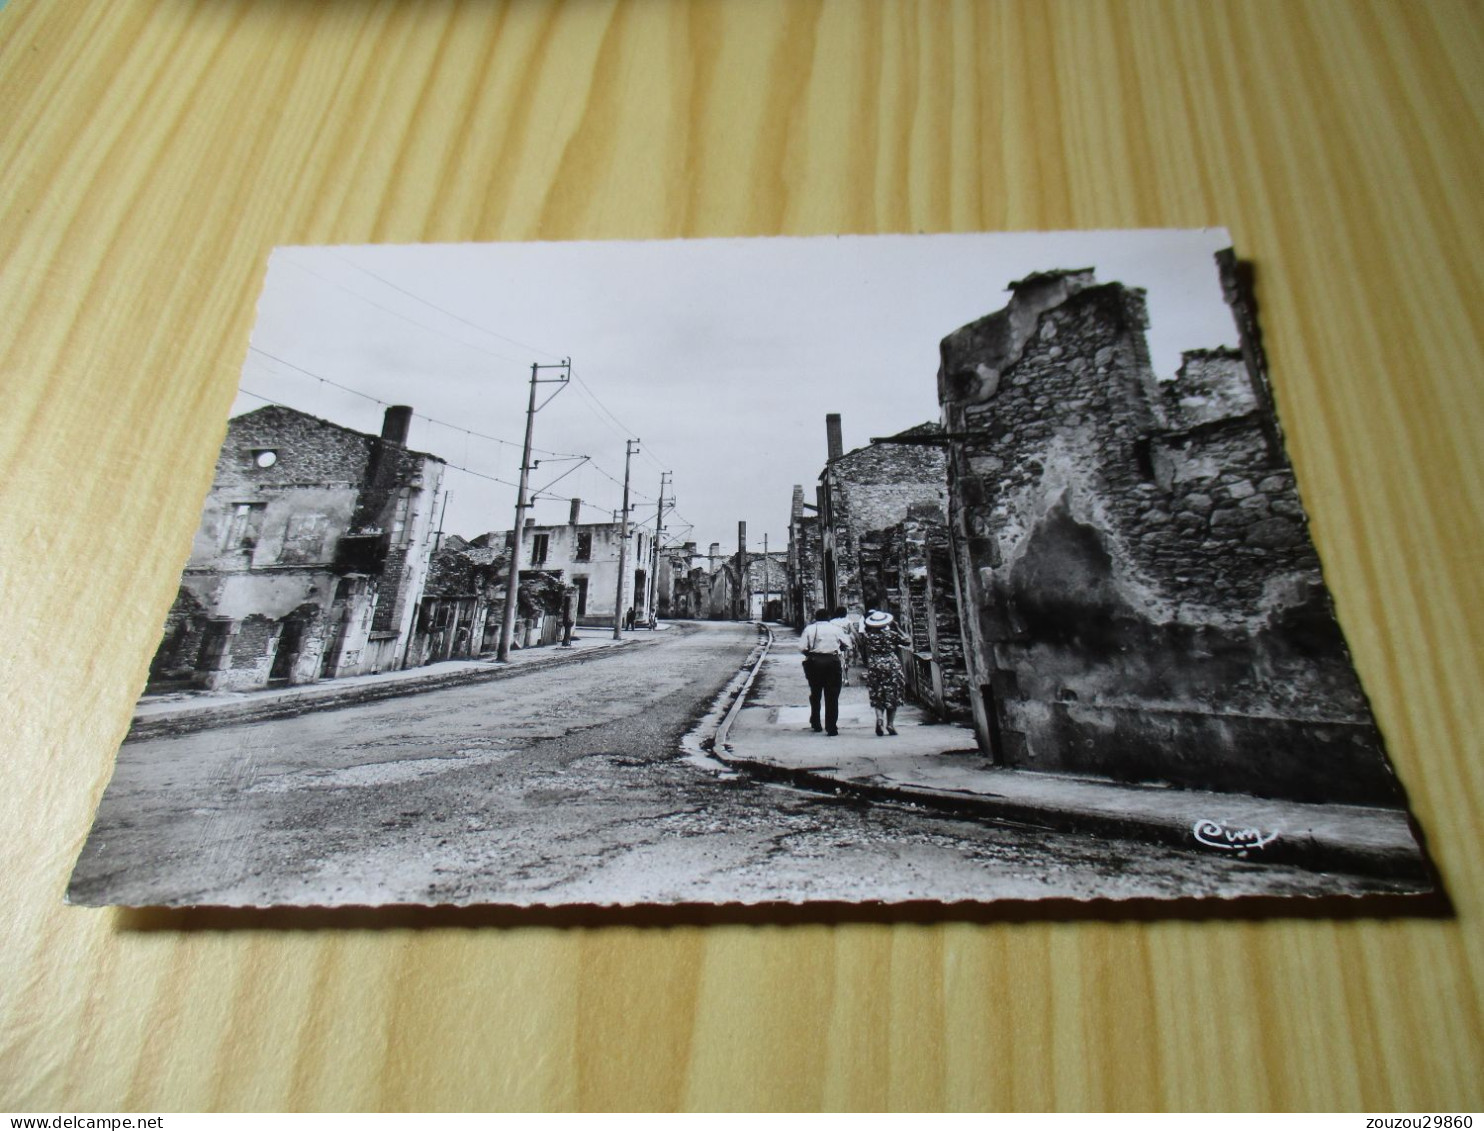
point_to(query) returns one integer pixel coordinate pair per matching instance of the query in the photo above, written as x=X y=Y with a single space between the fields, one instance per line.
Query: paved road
x=558 y=787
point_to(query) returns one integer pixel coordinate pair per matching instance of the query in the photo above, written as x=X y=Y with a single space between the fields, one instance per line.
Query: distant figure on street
x=842 y=621
x=628 y=619
x=569 y=617
x=885 y=680
x=821 y=645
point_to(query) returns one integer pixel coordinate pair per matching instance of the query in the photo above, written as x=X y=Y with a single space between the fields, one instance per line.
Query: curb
x=754 y=664
x=208 y=717
x=733 y=696
x=1305 y=852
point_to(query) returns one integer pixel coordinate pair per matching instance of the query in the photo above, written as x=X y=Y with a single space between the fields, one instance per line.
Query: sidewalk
x=183 y=712
x=940 y=766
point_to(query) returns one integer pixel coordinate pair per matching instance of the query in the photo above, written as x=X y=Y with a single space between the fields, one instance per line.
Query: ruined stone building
x=692 y=594
x=1141 y=599
x=676 y=592
x=767 y=583
x=757 y=592
x=463 y=601
x=585 y=556
x=878 y=539
x=310 y=558
x=724 y=592
x=909 y=570
x=805 y=562
x=863 y=492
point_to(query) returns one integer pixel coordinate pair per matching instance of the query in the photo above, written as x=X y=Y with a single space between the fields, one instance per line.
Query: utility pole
x=659 y=534
x=629 y=448
x=438 y=537
x=512 y=587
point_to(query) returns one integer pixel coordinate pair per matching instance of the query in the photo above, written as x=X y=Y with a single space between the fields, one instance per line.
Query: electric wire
x=442 y=310
x=446 y=463
x=406 y=318
x=593 y=398
x=420 y=416
x=589 y=396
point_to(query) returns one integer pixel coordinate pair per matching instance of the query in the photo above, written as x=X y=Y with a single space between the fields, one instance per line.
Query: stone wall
x=296 y=503
x=805 y=563
x=865 y=491
x=1142 y=597
x=307 y=450
x=910 y=568
x=180 y=645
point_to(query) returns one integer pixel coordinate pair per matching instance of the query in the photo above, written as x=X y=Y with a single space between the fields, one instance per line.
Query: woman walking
x=884 y=679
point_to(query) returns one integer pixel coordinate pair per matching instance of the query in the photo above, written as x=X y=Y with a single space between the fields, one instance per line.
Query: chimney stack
x=832 y=430
x=530 y=521
x=714 y=553
x=395 y=423
x=576 y=510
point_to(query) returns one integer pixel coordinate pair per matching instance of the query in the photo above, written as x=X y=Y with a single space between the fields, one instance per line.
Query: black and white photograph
x=865 y=569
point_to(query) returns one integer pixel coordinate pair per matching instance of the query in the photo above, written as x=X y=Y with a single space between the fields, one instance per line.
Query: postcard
x=869 y=570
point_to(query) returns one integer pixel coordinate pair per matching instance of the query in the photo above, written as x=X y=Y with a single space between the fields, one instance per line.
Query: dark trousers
x=823 y=674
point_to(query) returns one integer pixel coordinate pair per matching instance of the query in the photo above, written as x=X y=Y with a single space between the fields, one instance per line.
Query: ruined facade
x=909 y=573
x=691 y=595
x=864 y=492
x=767 y=585
x=805 y=592
x=585 y=556
x=310 y=557
x=462 y=603
x=757 y=592
x=1141 y=598
x=677 y=593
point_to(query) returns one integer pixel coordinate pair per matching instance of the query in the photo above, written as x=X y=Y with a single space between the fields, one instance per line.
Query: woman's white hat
x=878 y=620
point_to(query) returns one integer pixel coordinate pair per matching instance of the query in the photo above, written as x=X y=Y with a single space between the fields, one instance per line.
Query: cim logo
x=1228 y=838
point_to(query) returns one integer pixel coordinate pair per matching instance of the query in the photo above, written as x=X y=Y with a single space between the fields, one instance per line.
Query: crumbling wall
x=249 y=655
x=807 y=584
x=942 y=624
x=914 y=576
x=306 y=450
x=805 y=563
x=868 y=490
x=180 y=644
x=1210 y=384
x=395 y=500
x=298 y=503
x=1143 y=600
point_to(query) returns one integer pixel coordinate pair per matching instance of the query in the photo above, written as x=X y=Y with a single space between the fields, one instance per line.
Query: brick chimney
x=832 y=430
x=396 y=422
x=576 y=510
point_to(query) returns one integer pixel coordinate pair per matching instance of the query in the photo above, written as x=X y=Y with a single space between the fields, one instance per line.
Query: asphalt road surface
x=566 y=786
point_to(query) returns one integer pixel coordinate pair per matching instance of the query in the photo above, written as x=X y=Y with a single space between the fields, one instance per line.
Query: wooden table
x=153 y=151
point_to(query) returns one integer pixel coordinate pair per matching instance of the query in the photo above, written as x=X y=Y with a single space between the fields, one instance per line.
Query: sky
x=722 y=357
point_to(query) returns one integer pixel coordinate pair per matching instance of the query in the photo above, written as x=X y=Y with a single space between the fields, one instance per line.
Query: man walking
x=821 y=644
x=848 y=646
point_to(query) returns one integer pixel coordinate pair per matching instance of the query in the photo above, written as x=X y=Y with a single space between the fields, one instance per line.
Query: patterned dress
x=884 y=679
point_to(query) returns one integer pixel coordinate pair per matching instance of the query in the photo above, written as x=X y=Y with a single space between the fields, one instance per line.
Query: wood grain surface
x=153 y=151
